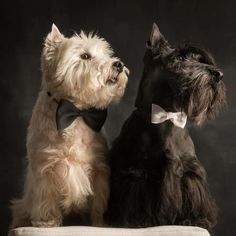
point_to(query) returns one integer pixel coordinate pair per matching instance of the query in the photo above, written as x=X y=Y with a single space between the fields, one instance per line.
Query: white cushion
x=95 y=231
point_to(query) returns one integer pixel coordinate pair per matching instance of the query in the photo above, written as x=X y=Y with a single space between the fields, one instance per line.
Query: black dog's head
x=186 y=78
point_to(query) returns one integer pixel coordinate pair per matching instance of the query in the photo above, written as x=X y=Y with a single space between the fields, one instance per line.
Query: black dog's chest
x=155 y=142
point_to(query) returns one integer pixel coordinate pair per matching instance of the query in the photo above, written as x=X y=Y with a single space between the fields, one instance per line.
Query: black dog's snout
x=217 y=74
x=118 y=65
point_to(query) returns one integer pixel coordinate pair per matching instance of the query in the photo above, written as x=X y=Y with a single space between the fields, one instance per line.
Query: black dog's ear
x=155 y=36
x=157 y=42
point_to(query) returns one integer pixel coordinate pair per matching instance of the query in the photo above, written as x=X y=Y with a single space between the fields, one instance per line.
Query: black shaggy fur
x=156 y=178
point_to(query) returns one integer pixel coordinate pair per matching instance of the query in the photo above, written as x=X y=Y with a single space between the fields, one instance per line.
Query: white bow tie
x=159 y=115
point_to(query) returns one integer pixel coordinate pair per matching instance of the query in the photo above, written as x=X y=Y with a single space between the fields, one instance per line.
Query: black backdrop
x=126 y=25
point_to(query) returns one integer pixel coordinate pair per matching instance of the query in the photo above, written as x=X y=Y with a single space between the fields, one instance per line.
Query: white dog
x=66 y=146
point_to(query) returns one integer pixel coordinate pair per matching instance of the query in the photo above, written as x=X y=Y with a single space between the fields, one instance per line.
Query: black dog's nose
x=118 y=65
x=218 y=75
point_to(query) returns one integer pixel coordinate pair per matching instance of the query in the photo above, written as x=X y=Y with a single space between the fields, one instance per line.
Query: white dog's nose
x=118 y=65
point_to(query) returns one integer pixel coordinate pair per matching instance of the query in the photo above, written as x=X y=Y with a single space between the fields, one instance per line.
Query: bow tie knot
x=159 y=115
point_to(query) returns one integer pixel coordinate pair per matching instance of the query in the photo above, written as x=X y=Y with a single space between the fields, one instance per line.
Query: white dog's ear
x=52 y=41
x=55 y=35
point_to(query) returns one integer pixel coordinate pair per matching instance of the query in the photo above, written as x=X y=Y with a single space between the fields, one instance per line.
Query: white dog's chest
x=82 y=155
x=78 y=133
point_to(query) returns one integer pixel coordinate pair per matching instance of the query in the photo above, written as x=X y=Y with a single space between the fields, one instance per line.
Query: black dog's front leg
x=199 y=208
x=171 y=193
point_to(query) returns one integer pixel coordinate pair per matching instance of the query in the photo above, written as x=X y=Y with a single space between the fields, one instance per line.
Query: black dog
x=156 y=178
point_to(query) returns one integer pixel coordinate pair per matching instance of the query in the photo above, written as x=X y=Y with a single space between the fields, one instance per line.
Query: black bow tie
x=67 y=112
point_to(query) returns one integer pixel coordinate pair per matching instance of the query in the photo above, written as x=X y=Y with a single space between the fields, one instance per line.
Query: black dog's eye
x=181 y=58
x=85 y=56
x=202 y=60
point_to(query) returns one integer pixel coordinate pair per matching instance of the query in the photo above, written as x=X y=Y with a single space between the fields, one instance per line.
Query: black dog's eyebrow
x=205 y=55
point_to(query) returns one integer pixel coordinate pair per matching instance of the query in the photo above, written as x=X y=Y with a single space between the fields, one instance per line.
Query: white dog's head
x=82 y=69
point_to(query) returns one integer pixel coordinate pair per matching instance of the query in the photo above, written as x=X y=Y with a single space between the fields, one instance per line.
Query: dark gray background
x=126 y=25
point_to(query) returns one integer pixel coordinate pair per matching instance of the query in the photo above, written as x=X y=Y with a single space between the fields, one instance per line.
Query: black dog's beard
x=200 y=98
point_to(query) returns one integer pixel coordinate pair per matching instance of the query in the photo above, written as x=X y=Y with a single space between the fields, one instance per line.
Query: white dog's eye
x=85 y=56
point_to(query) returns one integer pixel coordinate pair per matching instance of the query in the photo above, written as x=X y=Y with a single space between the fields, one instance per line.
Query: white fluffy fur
x=67 y=169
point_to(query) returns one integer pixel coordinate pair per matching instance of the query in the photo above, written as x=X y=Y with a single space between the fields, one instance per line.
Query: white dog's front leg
x=45 y=211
